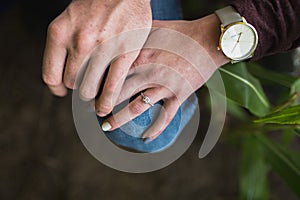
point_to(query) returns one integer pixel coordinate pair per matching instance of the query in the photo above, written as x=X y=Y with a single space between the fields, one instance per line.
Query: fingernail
x=147 y=140
x=106 y=126
x=101 y=114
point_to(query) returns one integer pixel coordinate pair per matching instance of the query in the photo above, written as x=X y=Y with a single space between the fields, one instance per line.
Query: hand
x=83 y=27
x=177 y=59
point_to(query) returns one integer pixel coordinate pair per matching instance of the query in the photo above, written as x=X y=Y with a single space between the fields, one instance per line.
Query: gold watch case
x=254 y=45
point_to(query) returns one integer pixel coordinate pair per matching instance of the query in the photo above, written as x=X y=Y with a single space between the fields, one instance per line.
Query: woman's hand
x=177 y=59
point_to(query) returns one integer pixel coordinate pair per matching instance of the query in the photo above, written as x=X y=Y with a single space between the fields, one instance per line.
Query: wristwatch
x=238 y=39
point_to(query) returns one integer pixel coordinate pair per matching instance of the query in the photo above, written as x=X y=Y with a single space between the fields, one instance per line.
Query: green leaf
x=289 y=102
x=245 y=90
x=288 y=116
x=271 y=76
x=284 y=161
x=236 y=110
x=295 y=89
x=253 y=171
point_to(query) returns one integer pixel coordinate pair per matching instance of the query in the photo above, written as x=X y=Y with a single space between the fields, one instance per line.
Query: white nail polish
x=106 y=126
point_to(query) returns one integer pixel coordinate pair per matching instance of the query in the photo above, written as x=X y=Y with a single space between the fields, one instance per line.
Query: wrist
x=207 y=35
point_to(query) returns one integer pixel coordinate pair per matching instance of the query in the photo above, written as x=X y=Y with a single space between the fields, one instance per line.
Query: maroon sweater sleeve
x=276 y=21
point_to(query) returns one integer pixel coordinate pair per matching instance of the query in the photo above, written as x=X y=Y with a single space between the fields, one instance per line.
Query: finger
x=133 y=109
x=117 y=73
x=53 y=65
x=140 y=80
x=167 y=113
x=137 y=76
x=79 y=53
x=74 y=65
x=133 y=86
x=94 y=73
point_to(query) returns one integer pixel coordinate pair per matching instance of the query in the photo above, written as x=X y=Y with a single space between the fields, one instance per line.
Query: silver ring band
x=146 y=99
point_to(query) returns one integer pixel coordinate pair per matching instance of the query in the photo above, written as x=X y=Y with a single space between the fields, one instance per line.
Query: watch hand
x=234 y=47
x=240 y=34
x=238 y=41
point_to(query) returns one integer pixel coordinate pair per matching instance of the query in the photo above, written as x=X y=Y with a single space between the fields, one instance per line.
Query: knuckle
x=56 y=31
x=104 y=108
x=50 y=80
x=141 y=60
x=104 y=104
x=135 y=108
x=69 y=79
x=69 y=83
x=84 y=42
x=86 y=94
x=110 y=88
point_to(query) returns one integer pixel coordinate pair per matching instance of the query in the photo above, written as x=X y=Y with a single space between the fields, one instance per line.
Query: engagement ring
x=146 y=99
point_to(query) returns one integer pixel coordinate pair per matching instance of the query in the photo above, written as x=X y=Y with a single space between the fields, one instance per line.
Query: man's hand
x=83 y=27
x=178 y=58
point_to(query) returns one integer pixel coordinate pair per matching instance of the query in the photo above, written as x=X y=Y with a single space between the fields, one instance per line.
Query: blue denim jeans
x=166 y=9
x=129 y=135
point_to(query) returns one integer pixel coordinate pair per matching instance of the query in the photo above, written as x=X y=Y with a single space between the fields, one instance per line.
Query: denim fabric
x=129 y=135
x=166 y=9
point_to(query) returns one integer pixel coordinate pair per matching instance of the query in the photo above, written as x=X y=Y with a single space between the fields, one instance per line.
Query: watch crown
x=222 y=28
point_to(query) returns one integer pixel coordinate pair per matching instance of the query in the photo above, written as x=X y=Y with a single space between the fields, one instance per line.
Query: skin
x=158 y=72
x=82 y=27
x=76 y=43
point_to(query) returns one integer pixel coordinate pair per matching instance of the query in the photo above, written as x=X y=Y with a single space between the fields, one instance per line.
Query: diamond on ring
x=146 y=99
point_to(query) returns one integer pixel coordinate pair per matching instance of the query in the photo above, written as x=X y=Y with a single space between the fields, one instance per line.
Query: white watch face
x=239 y=41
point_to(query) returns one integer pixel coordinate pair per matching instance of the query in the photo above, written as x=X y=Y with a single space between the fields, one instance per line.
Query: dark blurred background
x=41 y=155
